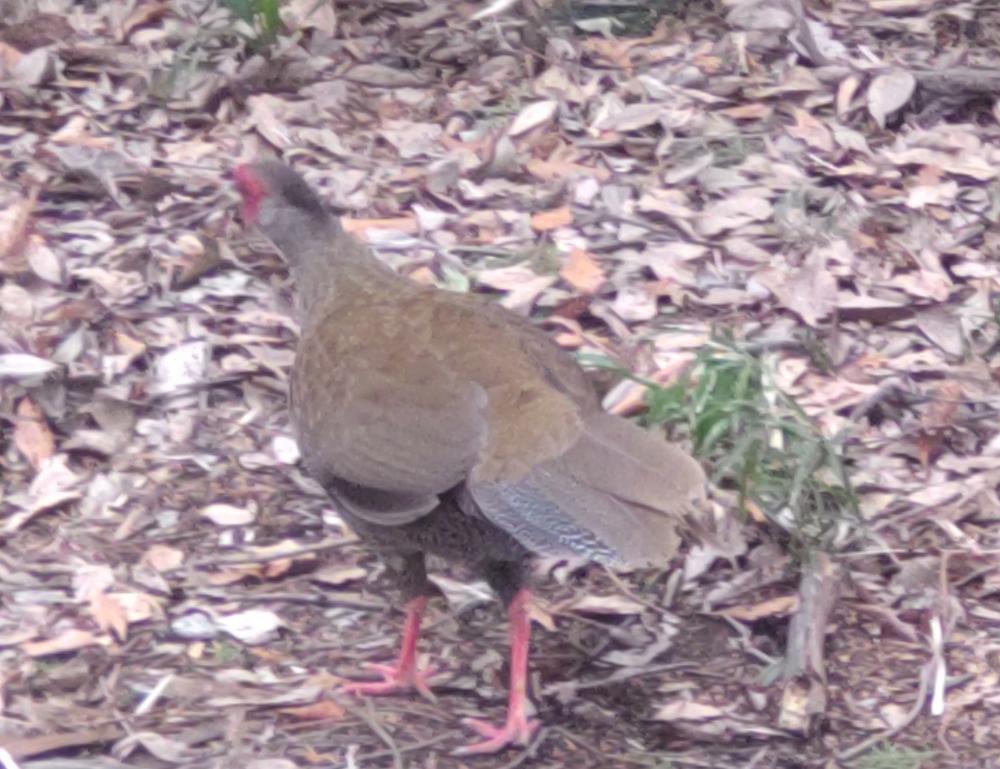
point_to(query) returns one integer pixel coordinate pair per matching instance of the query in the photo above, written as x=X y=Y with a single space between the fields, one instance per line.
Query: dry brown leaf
x=324 y=710
x=338 y=575
x=264 y=111
x=845 y=93
x=163 y=557
x=582 y=272
x=15 y=225
x=44 y=261
x=381 y=75
x=541 y=616
x=407 y=224
x=277 y=568
x=810 y=291
x=26 y=747
x=32 y=435
x=222 y=514
x=68 y=641
x=310 y=14
x=774 y=607
x=109 y=615
x=811 y=131
x=890 y=92
x=553 y=219
x=604 y=604
x=144 y=13
x=941 y=412
x=532 y=116
x=751 y=111
x=552 y=169
x=233 y=574
x=732 y=212
x=9 y=57
x=686 y=710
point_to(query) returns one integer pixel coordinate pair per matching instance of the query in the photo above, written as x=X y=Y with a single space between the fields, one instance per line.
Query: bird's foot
x=395 y=679
x=518 y=730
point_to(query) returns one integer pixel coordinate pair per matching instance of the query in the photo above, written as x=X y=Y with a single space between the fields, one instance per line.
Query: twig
x=631 y=594
x=368 y=717
x=245 y=560
x=615 y=678
x=909 y=718
x=408 y=748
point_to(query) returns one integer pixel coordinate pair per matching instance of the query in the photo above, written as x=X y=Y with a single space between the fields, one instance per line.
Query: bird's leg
x=404 y=674
x=518 y=728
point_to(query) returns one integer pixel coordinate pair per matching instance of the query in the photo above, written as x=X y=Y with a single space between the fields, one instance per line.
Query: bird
x=440 y=423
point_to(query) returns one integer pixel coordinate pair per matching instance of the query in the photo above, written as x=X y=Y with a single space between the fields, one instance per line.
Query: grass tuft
x=759 y=443
x=889 y=756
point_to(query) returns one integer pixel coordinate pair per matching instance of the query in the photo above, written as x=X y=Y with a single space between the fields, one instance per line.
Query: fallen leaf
x=811 y=131
x=732 y=212
x=338 y=575
x=264 y=110
x=15 y=225
x=109 y=615
x=943 y=328
x=43 y=261
x=69 y=641
x=686 y=710
x=774 y=607
x=532 y=116
x=324 y=710
x=407 y=224
x=32 y=435
x=252 y=627
x=310 y=14
x=890 y=92
x=163 y=748
x=144 y=14
x=605 y=604
x=582 y=272
x=228 y=515
x=810 y=291
x=552 y=219
x=181 y=368
x=163 y=557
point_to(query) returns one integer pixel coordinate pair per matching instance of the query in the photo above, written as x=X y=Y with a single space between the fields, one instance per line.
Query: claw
x=517 y=731
x=395 y=679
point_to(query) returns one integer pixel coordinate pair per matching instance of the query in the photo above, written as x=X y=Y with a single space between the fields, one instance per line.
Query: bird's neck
x=321 y=260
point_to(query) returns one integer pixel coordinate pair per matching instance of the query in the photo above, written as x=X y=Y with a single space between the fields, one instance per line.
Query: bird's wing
x=399 y=394
x=617 y=495
x=382 y=425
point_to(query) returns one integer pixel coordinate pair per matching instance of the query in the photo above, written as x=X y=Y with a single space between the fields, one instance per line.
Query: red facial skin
x=250 y=186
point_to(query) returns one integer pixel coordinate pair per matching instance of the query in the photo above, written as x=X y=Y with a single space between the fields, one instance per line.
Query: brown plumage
x=440 y=423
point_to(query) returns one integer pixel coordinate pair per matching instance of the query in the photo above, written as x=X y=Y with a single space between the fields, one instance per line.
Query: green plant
x=262 y=15
x=758 y=441
x=887 y=756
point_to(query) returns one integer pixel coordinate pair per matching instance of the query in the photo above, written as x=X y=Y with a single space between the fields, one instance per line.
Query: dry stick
x=368 y=717
x=409 y=748
x=888 y=734
x=818 y=593
x=631 y=594
x=247 y=560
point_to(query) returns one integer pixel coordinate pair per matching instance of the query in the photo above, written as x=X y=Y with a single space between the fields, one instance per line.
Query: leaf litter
x=819 y=180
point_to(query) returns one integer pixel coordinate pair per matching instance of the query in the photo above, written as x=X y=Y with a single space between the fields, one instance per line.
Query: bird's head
x=280 y=203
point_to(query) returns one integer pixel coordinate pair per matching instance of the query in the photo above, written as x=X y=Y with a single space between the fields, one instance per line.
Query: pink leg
x=519 y=728
x=404 y=674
